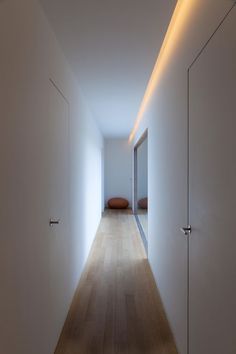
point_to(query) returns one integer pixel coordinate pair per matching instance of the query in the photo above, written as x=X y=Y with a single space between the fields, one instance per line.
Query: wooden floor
x=116 y=308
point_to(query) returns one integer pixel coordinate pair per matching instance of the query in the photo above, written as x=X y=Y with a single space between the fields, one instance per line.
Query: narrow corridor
x=117 y=308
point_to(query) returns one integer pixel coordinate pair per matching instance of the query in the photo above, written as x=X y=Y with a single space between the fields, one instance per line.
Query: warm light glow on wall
x=178 y=20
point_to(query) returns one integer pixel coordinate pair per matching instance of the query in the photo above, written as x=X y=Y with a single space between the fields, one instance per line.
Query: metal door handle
x=186 y=230
x=54 y=222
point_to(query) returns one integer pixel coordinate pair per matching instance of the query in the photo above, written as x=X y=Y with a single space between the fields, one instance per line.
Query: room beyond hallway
x=117 y=308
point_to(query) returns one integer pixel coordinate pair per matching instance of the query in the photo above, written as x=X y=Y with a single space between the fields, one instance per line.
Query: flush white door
x=58 y=196
x=212 y=194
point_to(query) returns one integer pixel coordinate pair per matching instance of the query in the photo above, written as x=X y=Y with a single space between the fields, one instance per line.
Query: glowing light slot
x=174 y=31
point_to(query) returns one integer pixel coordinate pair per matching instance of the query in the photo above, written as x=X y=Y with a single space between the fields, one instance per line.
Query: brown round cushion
x=143 y=203
x=118 y=203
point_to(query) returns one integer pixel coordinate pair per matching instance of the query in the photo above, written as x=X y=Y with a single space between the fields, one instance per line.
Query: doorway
x=141 y=187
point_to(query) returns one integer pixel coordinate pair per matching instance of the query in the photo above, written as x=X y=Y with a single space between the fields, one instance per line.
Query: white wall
x=166 y=120
x=30 y=56
x=118 y=169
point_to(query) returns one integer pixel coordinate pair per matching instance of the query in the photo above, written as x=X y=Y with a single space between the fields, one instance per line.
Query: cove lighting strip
x=174 y=31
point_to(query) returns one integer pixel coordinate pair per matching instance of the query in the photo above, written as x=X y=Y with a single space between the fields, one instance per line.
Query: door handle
x=54 y=222
x=186 y=230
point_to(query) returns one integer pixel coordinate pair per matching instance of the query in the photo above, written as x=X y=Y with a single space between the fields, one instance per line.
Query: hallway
x=110 y=104
x=116 y=308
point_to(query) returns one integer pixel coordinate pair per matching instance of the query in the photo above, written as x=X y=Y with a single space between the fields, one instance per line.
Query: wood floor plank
x=117 y=308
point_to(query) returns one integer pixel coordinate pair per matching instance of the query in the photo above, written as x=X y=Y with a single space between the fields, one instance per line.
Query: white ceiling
x=112 y=46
